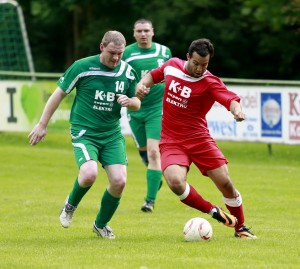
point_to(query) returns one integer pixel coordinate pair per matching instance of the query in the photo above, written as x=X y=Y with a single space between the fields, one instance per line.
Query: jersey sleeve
x=157 y=74
x=132 y=78
x=221 y=93
x=67 y=82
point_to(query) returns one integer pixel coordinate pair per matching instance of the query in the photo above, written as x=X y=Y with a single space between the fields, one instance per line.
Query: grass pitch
x=34 y=182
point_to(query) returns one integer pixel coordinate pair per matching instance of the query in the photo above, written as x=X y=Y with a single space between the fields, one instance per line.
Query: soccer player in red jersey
x=190 y=92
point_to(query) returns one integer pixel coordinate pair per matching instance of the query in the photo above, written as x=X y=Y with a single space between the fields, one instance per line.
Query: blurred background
x=253 y=39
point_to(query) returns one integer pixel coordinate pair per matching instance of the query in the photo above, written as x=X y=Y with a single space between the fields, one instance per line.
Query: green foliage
x=276 y=25
x=253 y=38
x=35 y=181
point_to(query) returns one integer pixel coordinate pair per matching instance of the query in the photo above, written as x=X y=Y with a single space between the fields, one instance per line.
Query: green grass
x=34 y=182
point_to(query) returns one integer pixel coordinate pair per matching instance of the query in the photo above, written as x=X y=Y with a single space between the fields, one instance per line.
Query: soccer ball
x=197 y=229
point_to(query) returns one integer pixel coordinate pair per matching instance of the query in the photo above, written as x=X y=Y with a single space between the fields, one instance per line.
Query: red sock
x=195 y=200
x=238 y=212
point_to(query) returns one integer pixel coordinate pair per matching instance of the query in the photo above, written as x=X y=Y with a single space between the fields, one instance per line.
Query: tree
x=252 y=38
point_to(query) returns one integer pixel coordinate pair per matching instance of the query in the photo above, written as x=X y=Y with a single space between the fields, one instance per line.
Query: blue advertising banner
x=271 y=115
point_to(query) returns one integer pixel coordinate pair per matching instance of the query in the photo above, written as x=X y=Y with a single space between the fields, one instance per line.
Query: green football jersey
x=95 y=105
x=143 y=61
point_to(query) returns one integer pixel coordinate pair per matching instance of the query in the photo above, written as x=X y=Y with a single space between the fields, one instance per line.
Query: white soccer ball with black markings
x=197 y=229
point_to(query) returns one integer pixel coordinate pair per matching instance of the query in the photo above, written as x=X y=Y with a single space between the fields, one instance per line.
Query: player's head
x=143 y=32
x=201 y=46
x=112 y=48
x=198 y=56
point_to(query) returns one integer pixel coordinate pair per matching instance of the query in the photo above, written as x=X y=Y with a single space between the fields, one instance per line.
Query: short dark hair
x=202 y=46
x=143 y=21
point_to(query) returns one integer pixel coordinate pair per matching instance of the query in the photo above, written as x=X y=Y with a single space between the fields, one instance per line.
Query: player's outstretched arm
x=40 y=129
x=143 y=87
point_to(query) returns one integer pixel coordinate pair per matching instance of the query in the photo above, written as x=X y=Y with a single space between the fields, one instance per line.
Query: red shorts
x=204 y=154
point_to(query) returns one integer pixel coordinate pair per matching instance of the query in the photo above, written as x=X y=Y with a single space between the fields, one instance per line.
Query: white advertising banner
x=272 y=116
x=272 y=112
x=22 y=103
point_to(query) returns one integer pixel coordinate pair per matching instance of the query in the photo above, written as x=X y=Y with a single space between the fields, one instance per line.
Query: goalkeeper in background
x=145 y=55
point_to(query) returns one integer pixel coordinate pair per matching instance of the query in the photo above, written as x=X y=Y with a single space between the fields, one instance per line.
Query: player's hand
x=239 y=116
x=123 y=100
x=37 y=134
x=141 y=91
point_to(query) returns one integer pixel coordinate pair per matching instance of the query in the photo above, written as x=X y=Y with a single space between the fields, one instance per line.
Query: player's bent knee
x=174 y=182
x=118 y=184
x=88 y=173
x=153 y=155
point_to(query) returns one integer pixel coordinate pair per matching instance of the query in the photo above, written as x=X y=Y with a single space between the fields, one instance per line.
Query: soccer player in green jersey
x=145 y=55
x=104 y=84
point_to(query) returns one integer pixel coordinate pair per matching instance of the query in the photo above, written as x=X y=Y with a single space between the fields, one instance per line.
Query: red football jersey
x=187 y=100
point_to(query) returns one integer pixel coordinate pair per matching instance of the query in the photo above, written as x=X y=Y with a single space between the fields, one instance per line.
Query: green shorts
x=106 y=147
x=145 y=124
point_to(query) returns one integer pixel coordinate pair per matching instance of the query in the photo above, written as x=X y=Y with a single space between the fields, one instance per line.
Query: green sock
x=77 y=193
x=108 y=207
x=153 y=183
